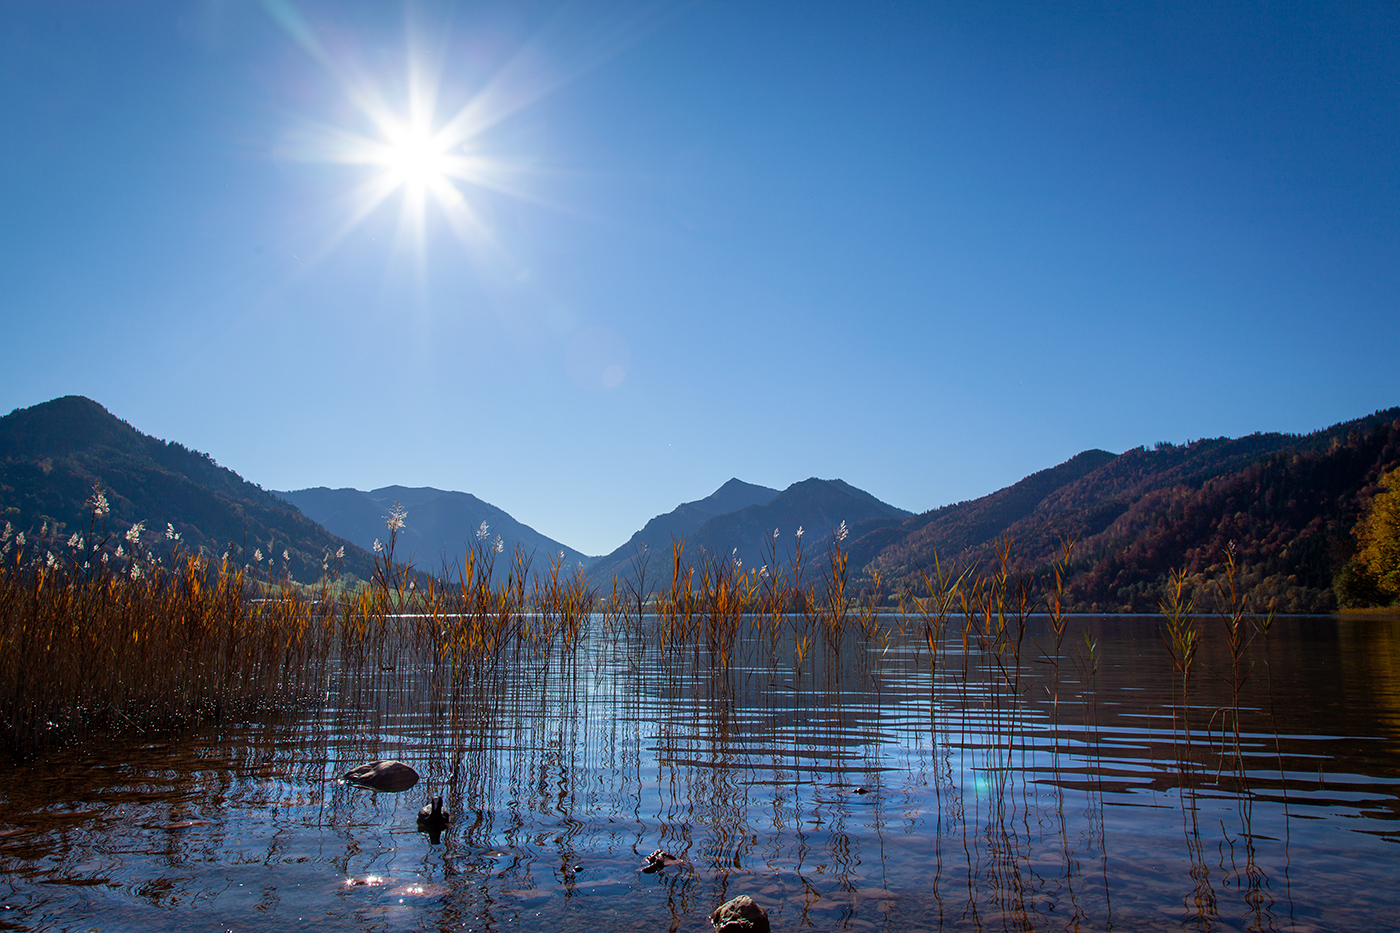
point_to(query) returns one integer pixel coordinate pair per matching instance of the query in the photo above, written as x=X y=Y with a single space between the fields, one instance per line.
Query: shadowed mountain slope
x=51 y=455
x=956 y=528
x=1288 y=503
x=681 y=522
x=817 y=506
x=440 y=527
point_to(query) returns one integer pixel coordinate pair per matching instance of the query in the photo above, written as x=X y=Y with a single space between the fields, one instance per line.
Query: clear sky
x=588 y=261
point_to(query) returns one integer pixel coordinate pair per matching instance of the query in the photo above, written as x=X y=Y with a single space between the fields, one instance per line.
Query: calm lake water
x=852 y=791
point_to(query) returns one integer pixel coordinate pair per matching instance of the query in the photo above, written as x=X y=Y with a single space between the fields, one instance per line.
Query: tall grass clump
x=129 y=644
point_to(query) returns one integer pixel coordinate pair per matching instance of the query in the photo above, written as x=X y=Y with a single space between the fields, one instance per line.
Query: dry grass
x=107 y=638
x=86 y=649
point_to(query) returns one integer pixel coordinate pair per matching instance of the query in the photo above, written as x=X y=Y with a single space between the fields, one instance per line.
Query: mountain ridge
x=441 y=524
x=679 y=523
x=1287 y=503
x=52 y=454
x=818 y=506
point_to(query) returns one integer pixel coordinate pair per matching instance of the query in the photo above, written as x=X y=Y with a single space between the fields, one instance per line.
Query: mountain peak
x=63 y=426
x=52 y=454
x=733 y=495
x=441 y=527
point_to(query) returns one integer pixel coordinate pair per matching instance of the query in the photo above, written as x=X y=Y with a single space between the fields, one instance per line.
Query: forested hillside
x=52 y=456
x=1289 y=504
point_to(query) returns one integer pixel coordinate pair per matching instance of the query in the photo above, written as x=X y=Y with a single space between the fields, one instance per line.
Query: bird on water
x=433 y=819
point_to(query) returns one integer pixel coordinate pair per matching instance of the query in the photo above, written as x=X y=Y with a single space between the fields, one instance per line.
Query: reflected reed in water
x=859 y=789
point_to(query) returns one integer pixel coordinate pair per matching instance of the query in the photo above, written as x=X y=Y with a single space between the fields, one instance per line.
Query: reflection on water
x=854 y=791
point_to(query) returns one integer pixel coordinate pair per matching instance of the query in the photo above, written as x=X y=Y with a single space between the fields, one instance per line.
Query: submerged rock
x=388 y=776
x=660 y=859
x=740 y=915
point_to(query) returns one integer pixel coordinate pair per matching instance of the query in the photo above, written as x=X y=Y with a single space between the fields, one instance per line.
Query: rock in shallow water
x=740 y=915
x=388 y=776
x=660 y=859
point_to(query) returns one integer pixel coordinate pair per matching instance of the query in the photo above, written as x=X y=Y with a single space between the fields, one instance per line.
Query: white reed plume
x=395 y=519
x=133 y=534
x=97 y=502
x=842 y=531
x=483 y=532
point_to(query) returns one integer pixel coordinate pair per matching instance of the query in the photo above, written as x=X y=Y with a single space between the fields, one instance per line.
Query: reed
x=1233 y=608
x=107 y=635
x=102 y=646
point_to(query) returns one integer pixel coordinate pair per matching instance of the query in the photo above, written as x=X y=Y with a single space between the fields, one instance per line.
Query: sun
x=428 y=166
x=415 y=159
x=438 y=164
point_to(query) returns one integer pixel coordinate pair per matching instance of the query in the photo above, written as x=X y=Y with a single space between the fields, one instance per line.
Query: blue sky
x=925 y=248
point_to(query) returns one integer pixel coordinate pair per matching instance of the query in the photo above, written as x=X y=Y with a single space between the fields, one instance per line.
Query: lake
x=851 y=790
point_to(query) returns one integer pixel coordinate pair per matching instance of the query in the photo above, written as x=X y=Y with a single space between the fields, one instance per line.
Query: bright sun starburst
x=415 y=159
x=408 y=148
x=426 y=162
x=431 y=166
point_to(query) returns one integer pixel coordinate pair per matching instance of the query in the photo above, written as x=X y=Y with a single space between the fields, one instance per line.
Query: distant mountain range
x=440 y=527
x=680 y=524
x=1288 y=503
x=52 y=454
x=738 y=521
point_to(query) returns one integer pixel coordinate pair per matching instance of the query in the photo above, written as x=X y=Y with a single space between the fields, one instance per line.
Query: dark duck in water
x=433 y=819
